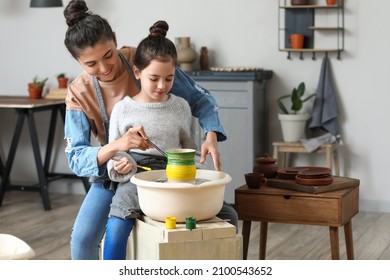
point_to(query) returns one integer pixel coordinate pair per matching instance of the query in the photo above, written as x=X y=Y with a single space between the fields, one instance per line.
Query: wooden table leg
x=263 y=240
x=246 y=231
x=349 y=240
x=334 y=242
x=329 y=158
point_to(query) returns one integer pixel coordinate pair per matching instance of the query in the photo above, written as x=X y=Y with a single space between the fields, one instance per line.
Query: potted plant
x=35 y=88
x=62 y=80
x=292 y=121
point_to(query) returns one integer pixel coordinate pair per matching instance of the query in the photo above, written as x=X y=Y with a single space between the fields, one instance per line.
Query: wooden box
x=212 y=240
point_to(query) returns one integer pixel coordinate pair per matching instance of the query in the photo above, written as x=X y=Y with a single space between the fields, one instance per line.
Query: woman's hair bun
x=75 y=11
x=160 y=28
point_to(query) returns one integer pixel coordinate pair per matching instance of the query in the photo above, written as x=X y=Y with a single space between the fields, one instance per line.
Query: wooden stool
x=330 y=150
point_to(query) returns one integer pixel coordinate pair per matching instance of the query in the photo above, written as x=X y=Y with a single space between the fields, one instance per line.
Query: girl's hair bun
x=160 y=28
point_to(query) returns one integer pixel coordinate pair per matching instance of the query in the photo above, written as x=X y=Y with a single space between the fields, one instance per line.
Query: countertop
x=230 y=75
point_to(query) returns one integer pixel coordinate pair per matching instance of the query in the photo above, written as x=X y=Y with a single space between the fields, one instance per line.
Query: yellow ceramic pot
x=181 y=164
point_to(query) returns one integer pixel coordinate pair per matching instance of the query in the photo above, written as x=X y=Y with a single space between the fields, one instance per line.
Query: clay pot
x=331 y=2
x=34 y=91
x=266 y=165
x=181 y=165
x=62 y=82
x=255 y=180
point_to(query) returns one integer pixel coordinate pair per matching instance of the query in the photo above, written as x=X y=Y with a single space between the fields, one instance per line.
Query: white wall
x=237 y=33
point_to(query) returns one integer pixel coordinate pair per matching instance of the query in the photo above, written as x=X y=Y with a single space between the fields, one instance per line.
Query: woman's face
x=156 y=80
x=102 y=61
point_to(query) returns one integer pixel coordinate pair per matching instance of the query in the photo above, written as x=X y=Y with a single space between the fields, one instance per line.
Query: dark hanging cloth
x=325 y=111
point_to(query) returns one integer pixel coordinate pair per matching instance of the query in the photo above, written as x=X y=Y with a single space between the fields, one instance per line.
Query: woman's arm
x=84 y=159
x=203 y=104
x=81 y=155
x=204 y=107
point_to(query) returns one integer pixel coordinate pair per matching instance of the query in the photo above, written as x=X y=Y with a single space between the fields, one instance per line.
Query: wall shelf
x=324 y=28
x=301 y=19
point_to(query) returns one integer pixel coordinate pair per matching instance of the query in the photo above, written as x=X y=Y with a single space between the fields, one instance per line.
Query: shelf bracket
x=338 y=55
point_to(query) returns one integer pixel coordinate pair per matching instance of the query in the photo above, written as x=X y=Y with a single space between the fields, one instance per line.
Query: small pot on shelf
x=331 y=2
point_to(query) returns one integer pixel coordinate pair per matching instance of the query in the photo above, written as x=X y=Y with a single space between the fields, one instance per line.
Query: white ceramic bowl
x=159 y=200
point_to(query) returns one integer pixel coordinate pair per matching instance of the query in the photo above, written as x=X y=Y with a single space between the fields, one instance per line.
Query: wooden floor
x=48 y=232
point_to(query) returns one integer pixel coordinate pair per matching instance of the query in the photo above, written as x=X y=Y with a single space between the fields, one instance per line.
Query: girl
x=165 y=118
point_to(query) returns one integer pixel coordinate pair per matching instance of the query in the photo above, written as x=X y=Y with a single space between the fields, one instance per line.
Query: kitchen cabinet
x=322 y=26
x=241 y=97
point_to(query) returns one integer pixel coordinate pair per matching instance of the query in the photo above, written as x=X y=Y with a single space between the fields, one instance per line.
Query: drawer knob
x=286 y=196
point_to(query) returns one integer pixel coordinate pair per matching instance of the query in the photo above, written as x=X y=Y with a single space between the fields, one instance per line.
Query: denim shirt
x=82 y=156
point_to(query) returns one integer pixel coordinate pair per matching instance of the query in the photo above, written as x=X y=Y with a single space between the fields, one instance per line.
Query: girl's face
x=102 y=61
x=156 y=81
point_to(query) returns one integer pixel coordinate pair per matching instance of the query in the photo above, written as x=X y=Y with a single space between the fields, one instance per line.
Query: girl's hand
x=122 y=166
x=210 y=147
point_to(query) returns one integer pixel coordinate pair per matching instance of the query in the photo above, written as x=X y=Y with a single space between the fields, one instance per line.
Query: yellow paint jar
x=170 y=222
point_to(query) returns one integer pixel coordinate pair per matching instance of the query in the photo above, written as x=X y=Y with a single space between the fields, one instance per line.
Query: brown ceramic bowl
x=314 y=181
x=313 y=174
x=290 y=173
x=255 y=180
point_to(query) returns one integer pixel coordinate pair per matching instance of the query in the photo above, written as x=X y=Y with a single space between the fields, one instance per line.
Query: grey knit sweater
x=167 y=124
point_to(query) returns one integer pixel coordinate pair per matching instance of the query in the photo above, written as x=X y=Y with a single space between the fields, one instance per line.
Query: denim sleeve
x=81 y=155
x=203 y=104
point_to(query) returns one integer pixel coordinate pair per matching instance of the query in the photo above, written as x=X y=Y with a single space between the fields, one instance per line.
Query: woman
x=107 y=79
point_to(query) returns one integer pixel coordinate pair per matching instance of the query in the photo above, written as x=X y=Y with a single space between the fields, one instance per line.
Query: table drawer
x=311 y=209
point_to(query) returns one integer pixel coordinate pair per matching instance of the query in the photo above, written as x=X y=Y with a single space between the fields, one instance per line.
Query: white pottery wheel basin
x=159 y=200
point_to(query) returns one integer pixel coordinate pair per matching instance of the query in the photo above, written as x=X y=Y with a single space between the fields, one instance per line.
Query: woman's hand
x=210 y=147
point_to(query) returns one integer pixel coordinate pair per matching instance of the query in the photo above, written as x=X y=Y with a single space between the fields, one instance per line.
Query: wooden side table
x=281 y=149
x=268 y=204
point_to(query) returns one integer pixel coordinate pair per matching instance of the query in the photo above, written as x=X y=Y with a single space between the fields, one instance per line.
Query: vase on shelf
x=300 y=2
x=186 y=55
x=204 y=59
